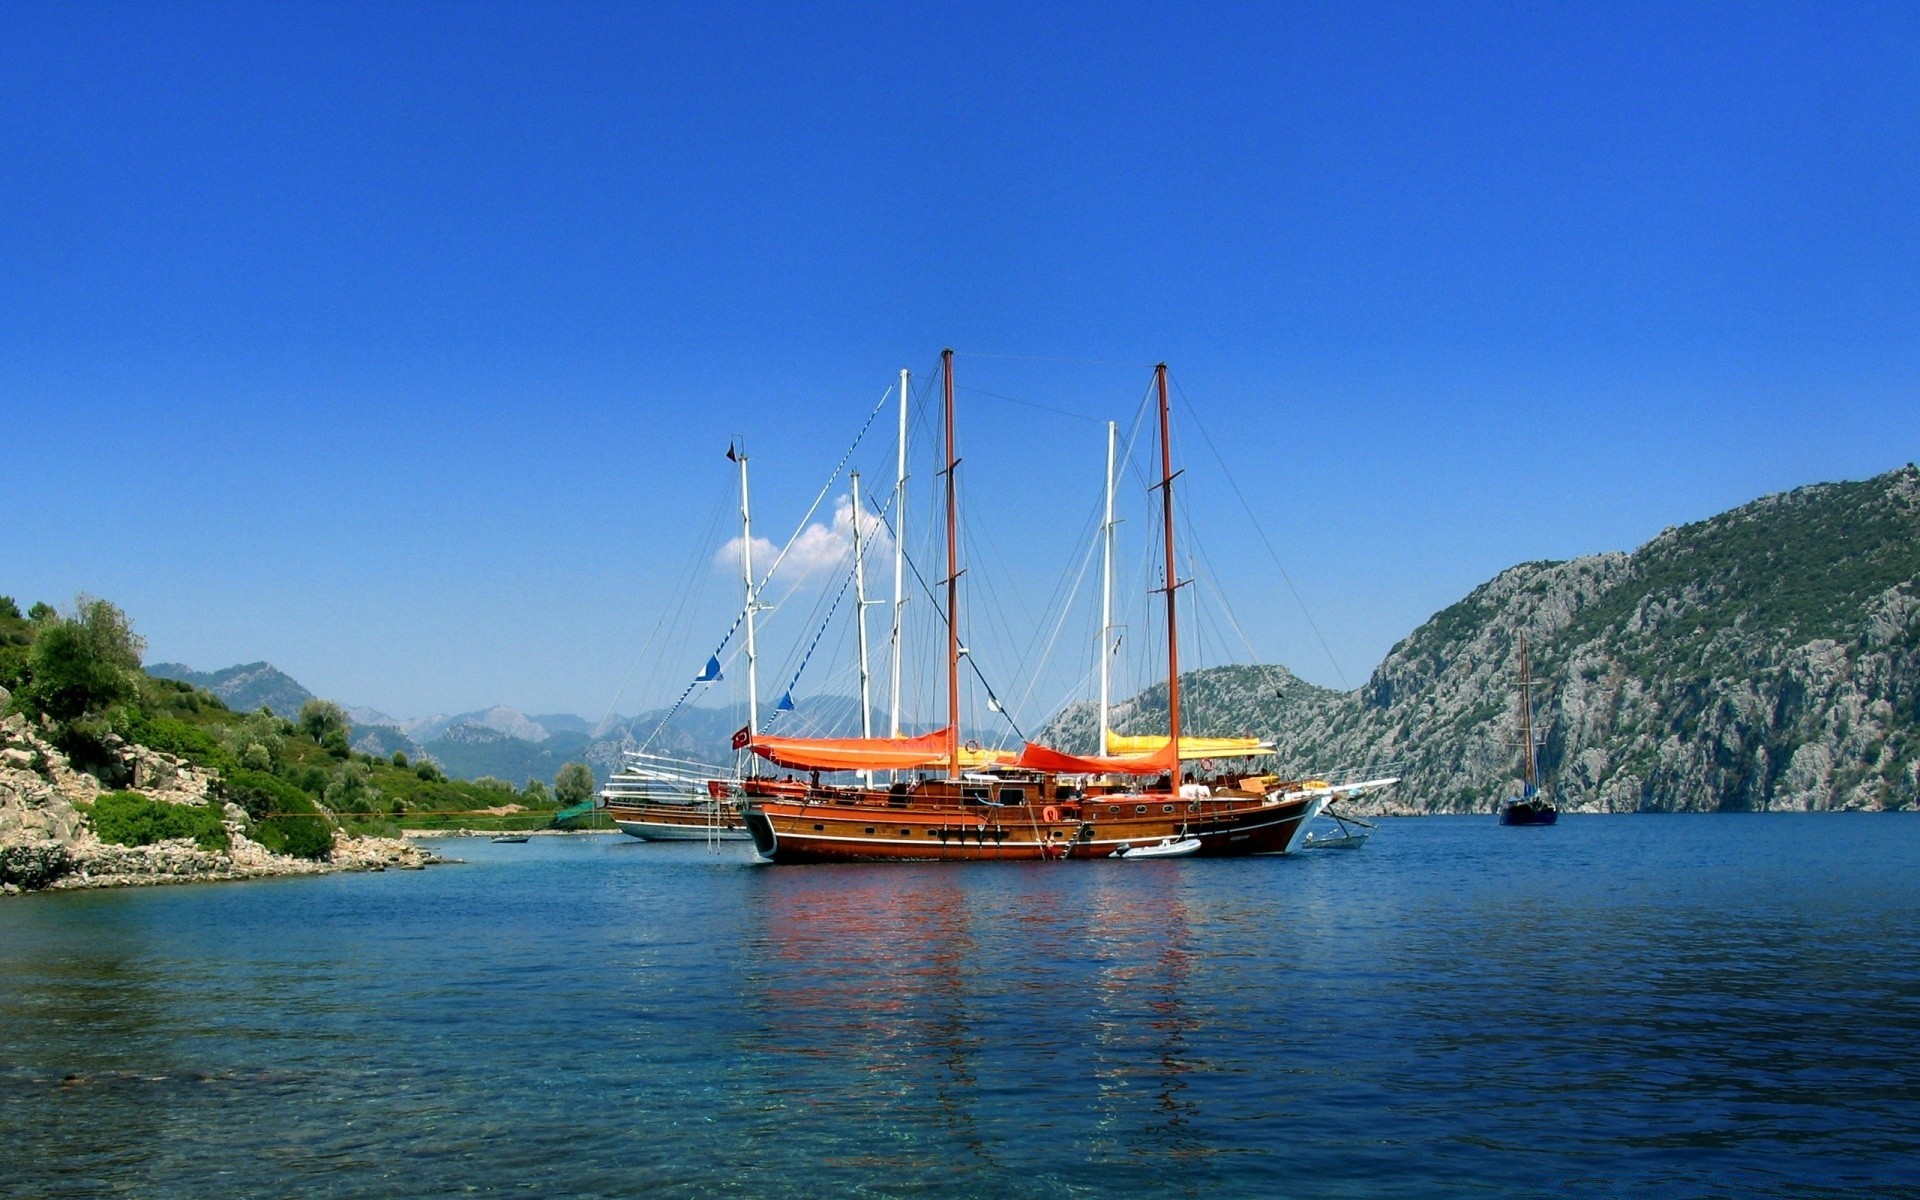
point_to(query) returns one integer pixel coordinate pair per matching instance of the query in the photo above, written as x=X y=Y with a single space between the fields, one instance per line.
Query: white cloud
x=819 y=547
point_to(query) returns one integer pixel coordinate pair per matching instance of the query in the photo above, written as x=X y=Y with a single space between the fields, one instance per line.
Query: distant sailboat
x=1531 y=806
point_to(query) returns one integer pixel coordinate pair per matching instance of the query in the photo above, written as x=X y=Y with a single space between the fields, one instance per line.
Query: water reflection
x=978 y=1016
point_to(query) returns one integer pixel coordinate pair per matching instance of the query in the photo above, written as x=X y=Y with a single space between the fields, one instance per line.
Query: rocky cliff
x=1765 y=659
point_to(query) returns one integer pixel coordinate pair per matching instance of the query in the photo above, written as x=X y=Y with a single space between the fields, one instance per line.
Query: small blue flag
x=712 y=672
x=786 y=702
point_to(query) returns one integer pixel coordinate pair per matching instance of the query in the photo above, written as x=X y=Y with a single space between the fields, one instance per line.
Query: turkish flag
x=741 y=737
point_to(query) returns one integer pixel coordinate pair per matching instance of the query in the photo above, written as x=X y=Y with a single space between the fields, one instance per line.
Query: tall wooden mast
x=953 y=579
x=1173 y=579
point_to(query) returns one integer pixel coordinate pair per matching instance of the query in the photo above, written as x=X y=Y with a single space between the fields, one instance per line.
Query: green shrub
x=130 y=819
x=171 y=735
x=285 y=819
x=400 y=759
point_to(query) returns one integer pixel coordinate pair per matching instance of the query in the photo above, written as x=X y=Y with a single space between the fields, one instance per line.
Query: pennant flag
x=993 y=703
x=711 y=674
x=786 y=702
x=731 y=456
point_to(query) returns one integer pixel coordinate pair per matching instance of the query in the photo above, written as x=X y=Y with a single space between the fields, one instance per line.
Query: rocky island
x=48 y=838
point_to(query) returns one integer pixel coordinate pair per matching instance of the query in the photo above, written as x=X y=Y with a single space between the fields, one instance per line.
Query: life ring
x=973 y=745
x=1050 y=814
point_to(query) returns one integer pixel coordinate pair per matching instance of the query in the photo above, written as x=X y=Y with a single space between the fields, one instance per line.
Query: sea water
x=1682 y=1005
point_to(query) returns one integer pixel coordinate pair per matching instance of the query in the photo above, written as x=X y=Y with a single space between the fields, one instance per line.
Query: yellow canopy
x=1191 y=748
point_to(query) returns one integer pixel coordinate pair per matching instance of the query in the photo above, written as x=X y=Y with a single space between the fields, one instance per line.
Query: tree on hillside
x=109 y=632
x=41 y=611
x=573 y=785
x=325 y=722
x=84 y=664
x=9 y=610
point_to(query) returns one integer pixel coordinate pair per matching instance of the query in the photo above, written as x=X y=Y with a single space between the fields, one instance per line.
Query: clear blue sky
x=399 y=344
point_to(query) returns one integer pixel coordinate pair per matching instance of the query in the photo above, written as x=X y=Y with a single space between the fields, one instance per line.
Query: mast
x=1173 y=579
x=953 y=579
x=1526 y=719
x=860 y=618
x=753 y=603
x=1106 y=599
x=899 y=559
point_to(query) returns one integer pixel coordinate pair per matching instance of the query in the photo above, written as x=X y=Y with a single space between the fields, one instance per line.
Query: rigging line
x=1192 y=412
x=685 y=587
x=1204 y=570
x=826 y=487
x=972 y=665
x=798 y=671
x=845 y=583
x=1065 y=610
x=1076 y=362
x=1059 y=412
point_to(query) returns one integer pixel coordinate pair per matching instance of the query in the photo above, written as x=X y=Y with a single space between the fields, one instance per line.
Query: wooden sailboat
x=1040 y=804
x=1532 y=806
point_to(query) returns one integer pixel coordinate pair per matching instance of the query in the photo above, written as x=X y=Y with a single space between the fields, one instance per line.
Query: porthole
x=1140 y=808
x=1113 y=810
x=818 y=828
x=869 y=829
x=906 y=833
x=1166 y=808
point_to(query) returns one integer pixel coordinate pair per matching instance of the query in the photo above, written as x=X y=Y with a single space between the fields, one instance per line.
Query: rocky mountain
x=1764 y=659
x=245 y=688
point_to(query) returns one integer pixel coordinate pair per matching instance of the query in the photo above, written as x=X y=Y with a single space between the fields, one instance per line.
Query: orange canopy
x=1036 y=757
x=854 y=754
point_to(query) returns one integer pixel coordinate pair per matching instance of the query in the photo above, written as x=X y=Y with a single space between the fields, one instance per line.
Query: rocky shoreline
x=47 y=843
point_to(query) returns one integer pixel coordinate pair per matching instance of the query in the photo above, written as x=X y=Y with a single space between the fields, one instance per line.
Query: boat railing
x=663 y=768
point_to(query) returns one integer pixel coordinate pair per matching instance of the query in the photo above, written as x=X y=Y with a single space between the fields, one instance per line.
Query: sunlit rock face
x=1765 y=659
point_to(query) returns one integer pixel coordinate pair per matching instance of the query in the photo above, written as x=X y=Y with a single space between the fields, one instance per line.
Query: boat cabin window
x=1063 y=793
x=1013 y=795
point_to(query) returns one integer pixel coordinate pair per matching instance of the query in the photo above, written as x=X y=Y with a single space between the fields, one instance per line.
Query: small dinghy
x=1164 y=848
x=511 y=837
x=1349 y=833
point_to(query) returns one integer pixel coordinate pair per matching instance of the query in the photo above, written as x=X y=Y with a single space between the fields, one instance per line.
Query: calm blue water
x=1619 y=1006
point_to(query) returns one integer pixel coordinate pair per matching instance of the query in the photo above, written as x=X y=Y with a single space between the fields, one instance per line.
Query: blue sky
x=398 y=345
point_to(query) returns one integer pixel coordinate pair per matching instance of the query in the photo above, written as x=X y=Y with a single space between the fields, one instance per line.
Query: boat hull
x=799 y=832
x=677 y=823
x=1521 y=812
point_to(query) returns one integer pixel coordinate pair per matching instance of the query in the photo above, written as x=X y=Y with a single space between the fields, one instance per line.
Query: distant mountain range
x=246 y=688
x=1766 y=658
x=502 y=741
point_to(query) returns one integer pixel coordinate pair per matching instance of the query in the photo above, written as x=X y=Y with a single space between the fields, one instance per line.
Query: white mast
x=899 y=558
x=860 y=618
x=1106 y=598
x=753 y=604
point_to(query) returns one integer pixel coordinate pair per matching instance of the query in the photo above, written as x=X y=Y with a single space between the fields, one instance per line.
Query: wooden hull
x=806 y=831
x=678 y=822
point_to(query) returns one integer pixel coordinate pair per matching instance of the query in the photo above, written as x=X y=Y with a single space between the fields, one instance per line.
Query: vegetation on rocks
x=130 y=819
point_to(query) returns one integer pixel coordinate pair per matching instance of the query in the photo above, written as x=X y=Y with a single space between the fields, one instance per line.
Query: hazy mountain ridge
x=245 y=688
x=1766 y=658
